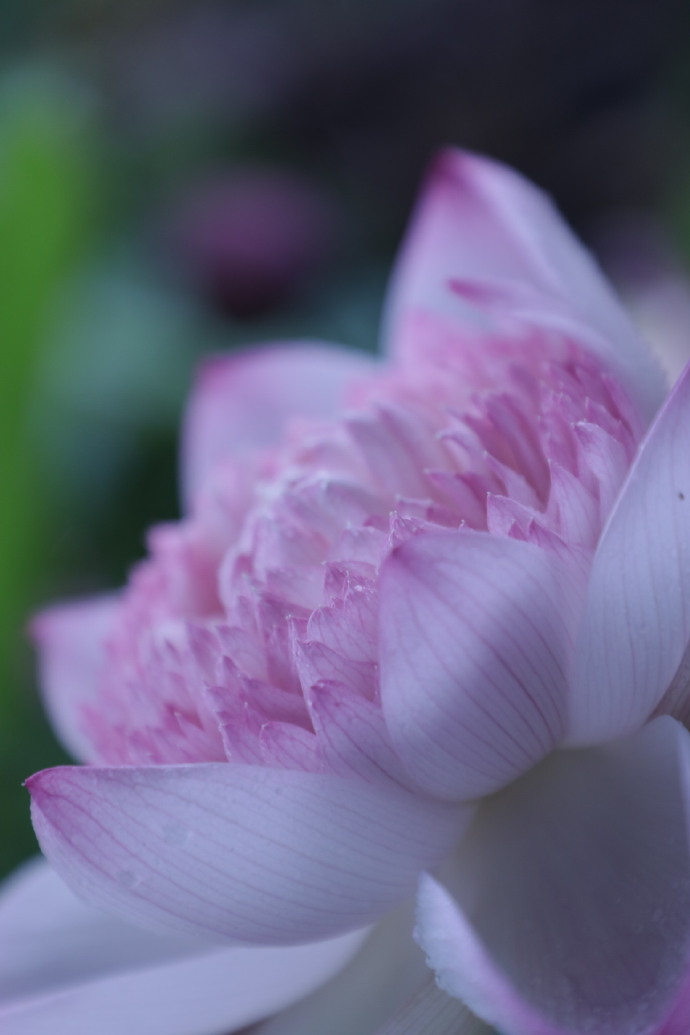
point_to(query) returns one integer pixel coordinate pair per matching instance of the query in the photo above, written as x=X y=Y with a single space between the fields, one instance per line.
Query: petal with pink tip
x=70 y=639
x=570 y=904
x=254 y=854
x=475 y=644
x=479 y=221
x=637 y=619
x=242 y=402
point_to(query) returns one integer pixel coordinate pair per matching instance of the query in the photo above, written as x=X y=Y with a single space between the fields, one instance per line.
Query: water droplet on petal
x=175 y=834
x=128 y=879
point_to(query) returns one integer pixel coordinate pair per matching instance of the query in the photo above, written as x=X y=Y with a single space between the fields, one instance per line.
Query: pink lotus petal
x=474 y=649
x=285 y=745
x=571 y=894
x=77 y=970
x=347 y=628
x=353 y=734
x=637 y=619
x=243 y=402
x=71 y=638
x=605 y=459
x=482 y=222
x=577 y=509
x=318 y=663
x=238 y=851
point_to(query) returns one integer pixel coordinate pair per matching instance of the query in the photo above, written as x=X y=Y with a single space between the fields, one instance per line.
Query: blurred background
x=180 y=176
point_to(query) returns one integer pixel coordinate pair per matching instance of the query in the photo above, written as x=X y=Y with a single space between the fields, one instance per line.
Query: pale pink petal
x=573 y=509
x=243 y=402
x=57 y=940
x=318 y=663
x=637 y=620
x=67 y=967
x=474 y=649
x=353 y=734
x=570 y=904
x=70 y=639
x=218 y=992
x=479 y=221
x=60 y=959
x=432 y=1011
x=254 y=854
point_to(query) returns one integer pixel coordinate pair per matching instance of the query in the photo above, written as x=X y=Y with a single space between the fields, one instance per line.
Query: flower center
x=270 y=587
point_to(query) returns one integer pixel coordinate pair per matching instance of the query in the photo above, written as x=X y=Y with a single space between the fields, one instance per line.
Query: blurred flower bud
x=249 y=240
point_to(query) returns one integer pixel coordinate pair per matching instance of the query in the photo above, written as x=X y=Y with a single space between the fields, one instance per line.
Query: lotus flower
x=419 y=643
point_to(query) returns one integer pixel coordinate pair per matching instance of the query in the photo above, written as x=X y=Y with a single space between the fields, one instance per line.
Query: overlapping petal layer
x=637 y=621
x=240 y=852
x=243 y=403
x=476 y=638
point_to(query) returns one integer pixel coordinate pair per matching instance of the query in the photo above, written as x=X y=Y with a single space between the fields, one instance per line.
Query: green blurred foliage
x=46 y=216
x=97 y=349
x=46 y=191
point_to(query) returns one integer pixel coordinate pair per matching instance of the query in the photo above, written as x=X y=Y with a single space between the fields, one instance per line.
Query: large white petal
x=475 y=647
x=67 y=967
x=57 y=940
x=570 y=904
x=259 y=855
